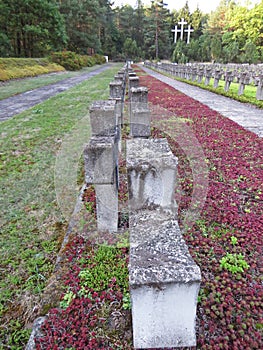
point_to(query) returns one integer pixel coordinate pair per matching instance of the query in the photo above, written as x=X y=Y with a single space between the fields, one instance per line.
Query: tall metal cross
x=189 y=31
x=182 y=27
x=175 y=31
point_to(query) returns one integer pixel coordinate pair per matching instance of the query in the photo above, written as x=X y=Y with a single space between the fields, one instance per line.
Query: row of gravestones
x=101 y=153
x=164 y=280
x=244 y=75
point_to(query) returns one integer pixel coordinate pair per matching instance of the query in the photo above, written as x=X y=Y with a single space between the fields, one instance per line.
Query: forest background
x=35 y=28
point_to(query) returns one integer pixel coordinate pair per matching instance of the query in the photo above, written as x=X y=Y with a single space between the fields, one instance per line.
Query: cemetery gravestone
x=208 y=75
x=164 y=280
x=259 y=94
x=244 y=79
x=139 y=112
x=228 y=79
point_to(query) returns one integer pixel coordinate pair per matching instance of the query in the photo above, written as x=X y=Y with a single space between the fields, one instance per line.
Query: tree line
x=34 y=28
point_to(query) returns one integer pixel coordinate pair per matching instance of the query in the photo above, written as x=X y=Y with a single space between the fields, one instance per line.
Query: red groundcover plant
x=225 y=240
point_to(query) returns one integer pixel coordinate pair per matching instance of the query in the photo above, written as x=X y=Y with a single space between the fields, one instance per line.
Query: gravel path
x=246 y=115
x=19 y=103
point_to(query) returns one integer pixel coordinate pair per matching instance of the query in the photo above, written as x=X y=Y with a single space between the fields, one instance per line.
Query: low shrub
x=68 y=59
x=14 y=68
x=99 y=59
x=3 y=75
x=89 y=61
x=73 y=61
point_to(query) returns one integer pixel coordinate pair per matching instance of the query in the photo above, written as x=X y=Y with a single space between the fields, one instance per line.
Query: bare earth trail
x=248 y=116
x=21 y=102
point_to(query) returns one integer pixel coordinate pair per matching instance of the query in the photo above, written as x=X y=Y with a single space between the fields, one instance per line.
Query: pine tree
x=32 y=27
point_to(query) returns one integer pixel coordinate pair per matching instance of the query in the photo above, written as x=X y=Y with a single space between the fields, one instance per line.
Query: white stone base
x=164 y=316
x=107 y=207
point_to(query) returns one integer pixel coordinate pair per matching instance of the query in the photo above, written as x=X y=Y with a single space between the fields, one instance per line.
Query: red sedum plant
x=230 y=304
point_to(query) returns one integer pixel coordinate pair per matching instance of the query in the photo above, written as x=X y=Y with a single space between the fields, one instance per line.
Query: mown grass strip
x=32 y=225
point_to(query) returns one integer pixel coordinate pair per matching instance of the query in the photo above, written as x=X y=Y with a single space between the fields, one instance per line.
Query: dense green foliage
x=32 y=28
x=72 y=61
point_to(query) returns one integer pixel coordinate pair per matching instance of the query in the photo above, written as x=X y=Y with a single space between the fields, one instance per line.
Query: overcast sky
x=206 y=6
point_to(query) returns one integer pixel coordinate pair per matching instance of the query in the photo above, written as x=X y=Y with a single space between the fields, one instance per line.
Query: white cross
x=189 y=31
x=182 y=27
x=175 y=31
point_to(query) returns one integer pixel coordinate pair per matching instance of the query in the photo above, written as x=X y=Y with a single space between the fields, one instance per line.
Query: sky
x=206 y=6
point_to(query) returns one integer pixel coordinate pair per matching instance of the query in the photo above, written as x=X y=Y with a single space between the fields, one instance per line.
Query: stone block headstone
x=217 y=77
x=259 y=93
x=139 y=96
x=116 y=88
x=164 y=283
x=244 y=79
x=133 y=82
x=228 y=79
x=194 y=71
x=140 y=122
x=100 y=160
x=200 y=75
x=151 y=170
x=107 y=207
x=164 y=280
x=208 y=75
x=103 y=118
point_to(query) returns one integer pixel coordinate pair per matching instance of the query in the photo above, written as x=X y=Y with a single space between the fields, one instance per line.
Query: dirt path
x=19 y=103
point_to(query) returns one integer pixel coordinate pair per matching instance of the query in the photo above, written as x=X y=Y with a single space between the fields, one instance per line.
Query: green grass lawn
x=17 y=86
x=249 y=94
x=32 y=225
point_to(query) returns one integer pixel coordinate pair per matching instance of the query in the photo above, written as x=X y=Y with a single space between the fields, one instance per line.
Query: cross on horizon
x=175 y=31
x=188 y=31
x=183 y=22
x=182 y=30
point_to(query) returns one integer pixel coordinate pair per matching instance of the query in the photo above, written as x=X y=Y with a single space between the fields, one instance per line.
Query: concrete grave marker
x=103 y=118
x=164 y=280
x=164 y=283
x=259 y=94
x=151 y=170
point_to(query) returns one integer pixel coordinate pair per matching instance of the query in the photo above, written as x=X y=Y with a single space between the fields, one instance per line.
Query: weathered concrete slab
x=151 y=170
x=140 y=122
x=100 y=160
x=164 y=282
x=103 y=118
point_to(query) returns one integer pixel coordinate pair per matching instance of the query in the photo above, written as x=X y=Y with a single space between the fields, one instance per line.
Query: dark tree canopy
x=32 y=28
